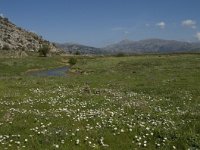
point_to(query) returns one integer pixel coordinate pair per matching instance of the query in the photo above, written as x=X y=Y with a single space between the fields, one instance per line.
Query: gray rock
x=16 y=38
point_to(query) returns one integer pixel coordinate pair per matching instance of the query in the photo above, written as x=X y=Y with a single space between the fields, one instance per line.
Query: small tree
x=72 y=61
x=44 y=50
x=70 y=52
x=5 y=47
x=120 y=54
x=77 y=53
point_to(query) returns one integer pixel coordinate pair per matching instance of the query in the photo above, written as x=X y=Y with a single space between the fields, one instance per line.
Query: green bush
x=44 y=50
x=120 y=55
x=77 y=53
x=72 y=61
x=5 y=47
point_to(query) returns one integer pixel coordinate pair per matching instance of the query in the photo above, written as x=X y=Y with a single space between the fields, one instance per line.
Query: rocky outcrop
x=16 y=38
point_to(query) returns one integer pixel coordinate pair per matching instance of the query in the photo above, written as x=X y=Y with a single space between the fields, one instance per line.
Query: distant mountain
x=16 y=38
x=82 y=49
x=152 y=46
x=134 y=47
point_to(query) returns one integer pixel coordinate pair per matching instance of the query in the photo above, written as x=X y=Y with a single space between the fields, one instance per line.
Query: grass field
x=136 y=102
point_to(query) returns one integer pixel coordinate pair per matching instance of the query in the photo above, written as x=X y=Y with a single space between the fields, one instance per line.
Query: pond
x=59 y=72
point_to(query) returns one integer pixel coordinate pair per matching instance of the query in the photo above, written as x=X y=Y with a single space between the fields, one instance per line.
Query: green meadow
x=133 y=102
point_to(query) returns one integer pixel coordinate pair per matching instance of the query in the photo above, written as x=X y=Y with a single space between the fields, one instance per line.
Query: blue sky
x=101 y=22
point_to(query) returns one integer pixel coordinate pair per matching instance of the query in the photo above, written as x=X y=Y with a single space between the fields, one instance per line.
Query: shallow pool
x=61 y=71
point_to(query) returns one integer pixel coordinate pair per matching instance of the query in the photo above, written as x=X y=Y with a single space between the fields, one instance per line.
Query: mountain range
x=152 y=46
x=73 y=48
x=135 y=47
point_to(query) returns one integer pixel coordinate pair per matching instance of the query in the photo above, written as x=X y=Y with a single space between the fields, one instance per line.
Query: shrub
x=23 y=48
x=120 y=55
x=5 y=47
x=6 y=19
x=70 y=52
x=44 y=50
x=72 y=61
x=77 y=53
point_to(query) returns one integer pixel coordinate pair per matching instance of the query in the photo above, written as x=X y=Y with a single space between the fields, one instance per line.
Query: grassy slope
x=18 y=66
x=127 y=100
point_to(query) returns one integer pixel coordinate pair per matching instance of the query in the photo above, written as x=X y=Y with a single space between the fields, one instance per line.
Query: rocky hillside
x=16 y=38
x=152 y=46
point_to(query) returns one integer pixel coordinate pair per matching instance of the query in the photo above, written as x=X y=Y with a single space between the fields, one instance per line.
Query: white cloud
x=161 y=24
x=198 y=36
x=189 y=23
x=126 y=31
x=147 y=25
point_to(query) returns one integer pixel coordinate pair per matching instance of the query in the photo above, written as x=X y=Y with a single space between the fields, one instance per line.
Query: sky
x=103 y=22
